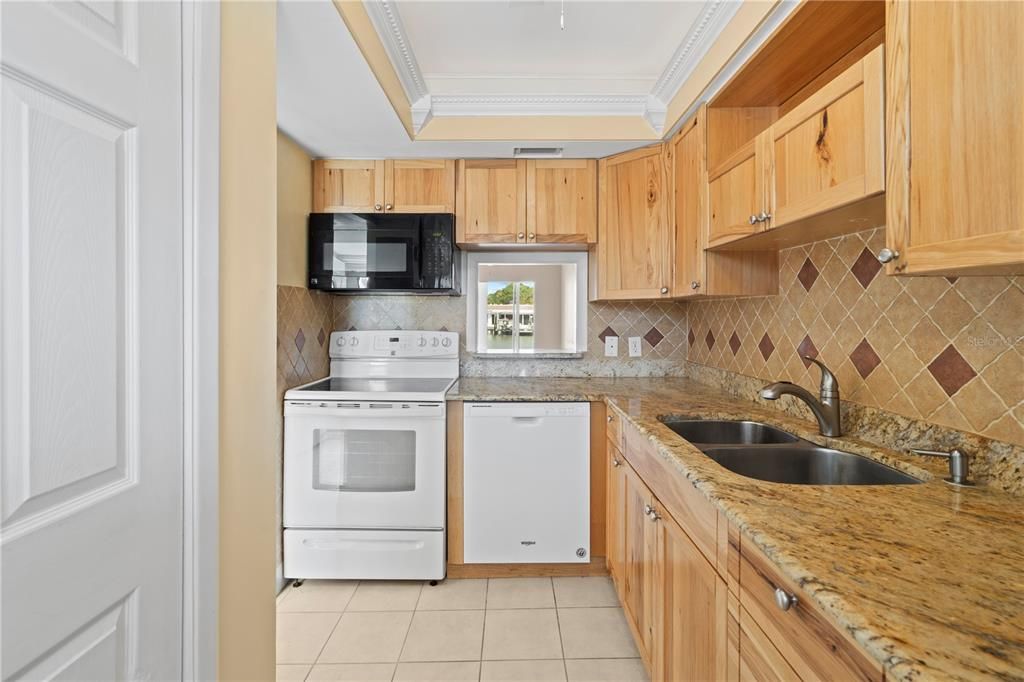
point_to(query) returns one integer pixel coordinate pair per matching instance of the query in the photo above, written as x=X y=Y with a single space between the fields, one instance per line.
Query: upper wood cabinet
x=698 y=272
x=392 y=186
x=348 y=186
x=561 y=201
x=490 y=205
x=955 y=179
x=634 y=249
x=737 y=197
x=419 y=186
x=829 y=151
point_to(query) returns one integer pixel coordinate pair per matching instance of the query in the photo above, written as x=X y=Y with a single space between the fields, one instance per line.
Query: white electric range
x=364 y=459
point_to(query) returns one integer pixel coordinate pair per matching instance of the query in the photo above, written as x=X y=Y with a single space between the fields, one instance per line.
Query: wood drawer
x=615 y=428
x=811 y=644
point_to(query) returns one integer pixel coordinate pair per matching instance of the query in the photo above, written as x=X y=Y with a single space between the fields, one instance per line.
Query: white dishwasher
x=526 y=483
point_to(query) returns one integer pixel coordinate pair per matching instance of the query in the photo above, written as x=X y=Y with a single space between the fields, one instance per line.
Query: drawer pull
x=784 y=600
x=616 y=463
x=610 y=419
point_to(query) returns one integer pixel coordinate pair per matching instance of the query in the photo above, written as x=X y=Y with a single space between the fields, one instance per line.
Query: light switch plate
x=611 y=346
x=634 y=346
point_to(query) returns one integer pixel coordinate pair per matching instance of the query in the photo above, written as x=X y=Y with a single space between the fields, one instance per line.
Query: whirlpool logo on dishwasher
x=527 y=543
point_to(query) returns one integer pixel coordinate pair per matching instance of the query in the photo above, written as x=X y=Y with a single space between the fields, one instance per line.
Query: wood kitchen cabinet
x=615 y=496
x=634 y=248
x=391 y=186
x=561 y=201
x=955 y=180
x=737 y=196
x=490 y=205
x=638 y=569
x=697 y=272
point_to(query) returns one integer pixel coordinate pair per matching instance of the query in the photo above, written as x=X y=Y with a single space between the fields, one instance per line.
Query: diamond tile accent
x=608 y=331
x=300 y=340
x=443 y=328
x=654 y=337
x=865 y=268
x=690 y=338
x=865 y=359
x=808 y=274
x=734 y=343
x=710 y=340
x=807 y=349
x=951 y=370
x=321 y=337
x=765 y=345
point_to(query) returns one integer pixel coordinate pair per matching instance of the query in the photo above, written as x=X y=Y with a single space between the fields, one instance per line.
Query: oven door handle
x=327 y=409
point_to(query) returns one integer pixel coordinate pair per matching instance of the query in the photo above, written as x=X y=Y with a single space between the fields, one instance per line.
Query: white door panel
x=91 y=340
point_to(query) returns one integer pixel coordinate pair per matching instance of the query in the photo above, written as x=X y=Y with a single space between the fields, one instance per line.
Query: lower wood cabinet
x=638 y=570
x=614 y=499
x=759 y=660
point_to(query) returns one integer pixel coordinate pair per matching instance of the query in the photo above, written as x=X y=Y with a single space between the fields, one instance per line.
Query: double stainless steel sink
x=766 y=453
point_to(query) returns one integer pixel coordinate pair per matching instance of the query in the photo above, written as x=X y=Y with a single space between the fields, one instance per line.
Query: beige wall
x=248 y=407
x=294 y=204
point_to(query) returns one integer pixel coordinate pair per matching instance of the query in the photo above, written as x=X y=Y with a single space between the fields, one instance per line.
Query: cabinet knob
x=610 y=418
x=695 y=285
x=753 y=220
x=887 y=255
x=764 y=217
x=520 y=235
x=784 y=600
x=664 y=290
x=616 y=463
x=388 y=207
x=648 y=510
x=376 y=207
x=533 y=236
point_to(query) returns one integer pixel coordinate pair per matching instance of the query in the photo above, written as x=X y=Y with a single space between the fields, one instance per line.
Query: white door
x=92 y=381
x=364 y=465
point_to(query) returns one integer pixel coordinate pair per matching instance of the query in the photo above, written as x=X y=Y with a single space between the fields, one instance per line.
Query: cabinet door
x=420 y=186
x=640 y=542
x=693 y=612
x=561 y=201
x=348 y=186
x=690 y=183
x=491 y=201
x=829 y=151
x=736 y=196
x=759 y=660
x=634 y=239
x=954 y=109
x=614 y=515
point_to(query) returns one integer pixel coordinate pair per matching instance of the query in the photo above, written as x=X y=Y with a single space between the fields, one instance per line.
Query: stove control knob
x=422 y=341
x=341 y=341
x=446 y=342
x=355 y=341
x=434 y=342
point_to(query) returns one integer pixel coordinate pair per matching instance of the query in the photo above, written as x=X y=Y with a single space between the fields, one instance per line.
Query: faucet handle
x=829 y=383
x=959 y=468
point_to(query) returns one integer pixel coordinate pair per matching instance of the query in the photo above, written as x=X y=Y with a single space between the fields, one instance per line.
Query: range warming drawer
x=526 y=478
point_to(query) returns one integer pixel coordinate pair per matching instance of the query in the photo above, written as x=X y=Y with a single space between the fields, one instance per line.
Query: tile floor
x=509 y=629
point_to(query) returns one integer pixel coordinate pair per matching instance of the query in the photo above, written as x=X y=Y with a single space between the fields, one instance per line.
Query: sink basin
x=722 y=432
x=807 y=465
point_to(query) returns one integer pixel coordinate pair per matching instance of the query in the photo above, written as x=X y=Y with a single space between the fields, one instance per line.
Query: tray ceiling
x=512 y=58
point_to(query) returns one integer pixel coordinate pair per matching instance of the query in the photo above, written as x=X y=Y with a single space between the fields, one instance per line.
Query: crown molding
x=713 y=18
x=384 y=17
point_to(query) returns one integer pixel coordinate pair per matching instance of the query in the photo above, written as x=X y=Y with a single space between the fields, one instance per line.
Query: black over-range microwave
x=383 y=252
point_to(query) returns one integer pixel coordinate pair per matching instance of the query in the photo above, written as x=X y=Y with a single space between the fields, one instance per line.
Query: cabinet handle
x=610 y=419
x=520 y=235
x=388 y=207
x=376 y=207
x=533 y=236
x=764 y=217
x=648 y=510
x=664 y=290
x=784 y=600
x=753 y=220
x=695 y=285
x=616 y=463
x=887 y=255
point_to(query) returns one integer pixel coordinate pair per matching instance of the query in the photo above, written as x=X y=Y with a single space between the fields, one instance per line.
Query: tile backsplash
x=945 y=350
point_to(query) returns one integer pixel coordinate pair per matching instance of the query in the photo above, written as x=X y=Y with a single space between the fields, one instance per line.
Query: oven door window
x=356 y=460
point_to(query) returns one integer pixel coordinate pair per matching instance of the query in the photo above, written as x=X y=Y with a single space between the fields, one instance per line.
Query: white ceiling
x=329 y=101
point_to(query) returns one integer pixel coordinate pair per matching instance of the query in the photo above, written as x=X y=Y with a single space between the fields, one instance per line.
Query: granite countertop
x=928 y=579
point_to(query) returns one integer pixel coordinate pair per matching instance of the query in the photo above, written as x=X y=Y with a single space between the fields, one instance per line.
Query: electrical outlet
x=634 y=346
x=611 y=346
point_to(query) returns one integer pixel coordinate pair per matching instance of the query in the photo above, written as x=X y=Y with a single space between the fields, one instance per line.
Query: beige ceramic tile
x=606 y=670
x=461 y=671
x=300 y=636
x=590 y=591
x=375 y=637
x=454 y=595
x=520 y=593
x=352 y=672
x=521 y=634
x=292 y=673
x=521 y=671
x=444 y=636
x=596 y=633
x=318 y=595
x=385 y=596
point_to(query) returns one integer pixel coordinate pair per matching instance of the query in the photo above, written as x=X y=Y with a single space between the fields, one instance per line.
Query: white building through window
x=526 y=303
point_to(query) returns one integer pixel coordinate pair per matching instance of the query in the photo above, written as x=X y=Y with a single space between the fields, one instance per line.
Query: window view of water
x=510 y=317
